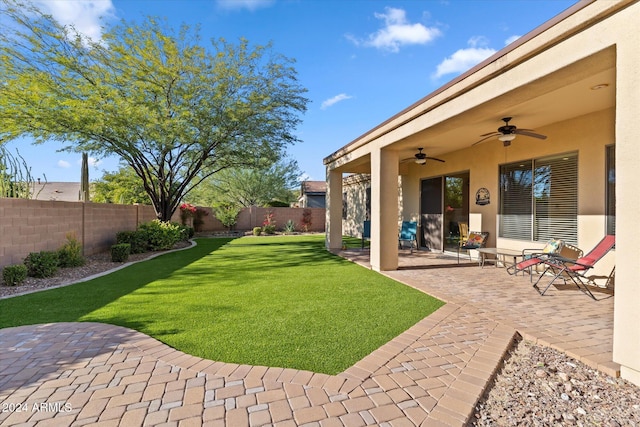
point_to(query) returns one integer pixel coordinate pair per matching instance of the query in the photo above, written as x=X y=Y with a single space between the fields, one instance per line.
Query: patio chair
x=575 y=269
x=408 y=233
x=475 y=240
x=366 y=232
x=534 y=257
x=463 y=232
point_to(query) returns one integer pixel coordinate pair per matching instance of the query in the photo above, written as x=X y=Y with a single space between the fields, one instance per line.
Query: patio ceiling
x=560 y=96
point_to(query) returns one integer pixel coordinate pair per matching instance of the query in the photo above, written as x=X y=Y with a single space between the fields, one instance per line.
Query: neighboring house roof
x=60 y=191
x=314 y=187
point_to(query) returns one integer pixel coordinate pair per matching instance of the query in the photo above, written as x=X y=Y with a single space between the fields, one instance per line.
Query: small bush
x=306 y=219
x=70 y=254
x=137 y=239
x=269 y=229
x=161 y=235
x=290 y=227
x=187 y=232
x=120 y=252
x=42 y=264
x=257 y=231
x=14 y=275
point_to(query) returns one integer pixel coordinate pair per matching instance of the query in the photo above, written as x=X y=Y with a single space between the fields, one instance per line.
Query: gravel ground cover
x=540 y=386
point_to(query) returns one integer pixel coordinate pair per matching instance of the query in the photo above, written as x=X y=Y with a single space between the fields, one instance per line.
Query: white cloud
x=397 y=32
x=464 y=59
x=331 y=101
x=83 y=15
x=244 y=4
x=511 y=40
x=63 y=164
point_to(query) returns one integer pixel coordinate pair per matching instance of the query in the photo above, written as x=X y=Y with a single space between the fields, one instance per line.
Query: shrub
x=161 y=235
x=306 y=219
x=187 y=232
x=198 y=220
x=187 y=210
x=120 y=252
x=41 y=264
x=227 y=214
x=269 y=229
x=290 y=227
x=70 y=254
x=14 y=275
x=257 y=231
x=137 y=239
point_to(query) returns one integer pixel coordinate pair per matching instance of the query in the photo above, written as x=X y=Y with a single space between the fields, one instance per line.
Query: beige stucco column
x=626 y=333
x=334 y=210
x=384 y=210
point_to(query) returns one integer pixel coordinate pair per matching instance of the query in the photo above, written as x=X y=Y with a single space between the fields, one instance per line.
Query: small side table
x=497 y=253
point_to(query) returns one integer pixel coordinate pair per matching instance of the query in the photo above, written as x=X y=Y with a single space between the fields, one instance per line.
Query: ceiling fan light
x=421 y=161
x=507 y=137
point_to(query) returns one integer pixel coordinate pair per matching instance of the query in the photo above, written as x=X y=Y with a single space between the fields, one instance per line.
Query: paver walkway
x=433 y=374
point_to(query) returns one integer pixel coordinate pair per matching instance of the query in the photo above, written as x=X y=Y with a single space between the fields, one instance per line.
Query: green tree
x=259 y=186
x=167 y=106
x=123 y=187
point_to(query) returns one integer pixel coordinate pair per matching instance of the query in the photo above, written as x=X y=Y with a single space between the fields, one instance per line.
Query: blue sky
x=362 y=61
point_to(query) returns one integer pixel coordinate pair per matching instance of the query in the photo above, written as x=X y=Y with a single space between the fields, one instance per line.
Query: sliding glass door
x=444 y=203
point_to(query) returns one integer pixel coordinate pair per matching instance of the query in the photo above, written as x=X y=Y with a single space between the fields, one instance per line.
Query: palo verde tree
x=244 y=187
x=122 y=186
x=166 y=105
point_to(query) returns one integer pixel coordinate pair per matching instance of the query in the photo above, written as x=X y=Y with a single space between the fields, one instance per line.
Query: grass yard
x=271 y=301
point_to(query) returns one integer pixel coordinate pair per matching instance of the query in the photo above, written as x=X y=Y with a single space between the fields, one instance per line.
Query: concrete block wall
x=42 y=225
x=32 y=226
x=254 y=217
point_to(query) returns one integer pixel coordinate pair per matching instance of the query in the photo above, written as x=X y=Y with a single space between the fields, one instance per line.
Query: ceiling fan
x=507 y=133
x=421 y=158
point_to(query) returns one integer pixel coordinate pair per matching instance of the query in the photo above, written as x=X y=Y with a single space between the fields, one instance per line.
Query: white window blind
x=556 y=199
x=515 y=200
x=539 y=199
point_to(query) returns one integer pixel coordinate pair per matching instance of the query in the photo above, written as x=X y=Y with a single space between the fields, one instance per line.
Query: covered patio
x=564 y=318
x=567 y=171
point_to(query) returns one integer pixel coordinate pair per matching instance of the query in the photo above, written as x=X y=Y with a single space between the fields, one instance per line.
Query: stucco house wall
x=574 y=79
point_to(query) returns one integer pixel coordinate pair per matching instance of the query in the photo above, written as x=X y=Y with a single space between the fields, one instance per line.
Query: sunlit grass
x=272 y=301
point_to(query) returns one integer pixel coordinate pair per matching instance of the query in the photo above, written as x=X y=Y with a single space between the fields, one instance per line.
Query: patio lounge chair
x=574 y=270
x=532 y=258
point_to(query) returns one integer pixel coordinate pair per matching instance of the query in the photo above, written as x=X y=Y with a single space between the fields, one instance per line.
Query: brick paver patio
x=433 y=374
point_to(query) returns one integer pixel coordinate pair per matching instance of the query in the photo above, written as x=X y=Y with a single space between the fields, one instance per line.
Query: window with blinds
x=539 y=199
x=515 y=200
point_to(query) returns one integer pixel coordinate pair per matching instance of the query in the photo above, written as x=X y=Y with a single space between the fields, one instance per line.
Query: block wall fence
x=37 y=225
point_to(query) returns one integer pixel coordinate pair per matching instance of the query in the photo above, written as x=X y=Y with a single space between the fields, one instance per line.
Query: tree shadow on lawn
x=189 y=299
x=281 y=252
x=75 y=302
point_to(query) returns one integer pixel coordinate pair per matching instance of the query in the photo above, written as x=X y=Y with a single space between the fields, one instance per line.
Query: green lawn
x=272 y=301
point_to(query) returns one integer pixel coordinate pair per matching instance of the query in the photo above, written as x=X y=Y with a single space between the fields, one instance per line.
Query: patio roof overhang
x=533 y=80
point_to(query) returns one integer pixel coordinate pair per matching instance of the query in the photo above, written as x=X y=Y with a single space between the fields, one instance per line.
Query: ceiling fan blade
x=527 y=132
x=490 y=133
x=487 y=136
x=433 y=158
